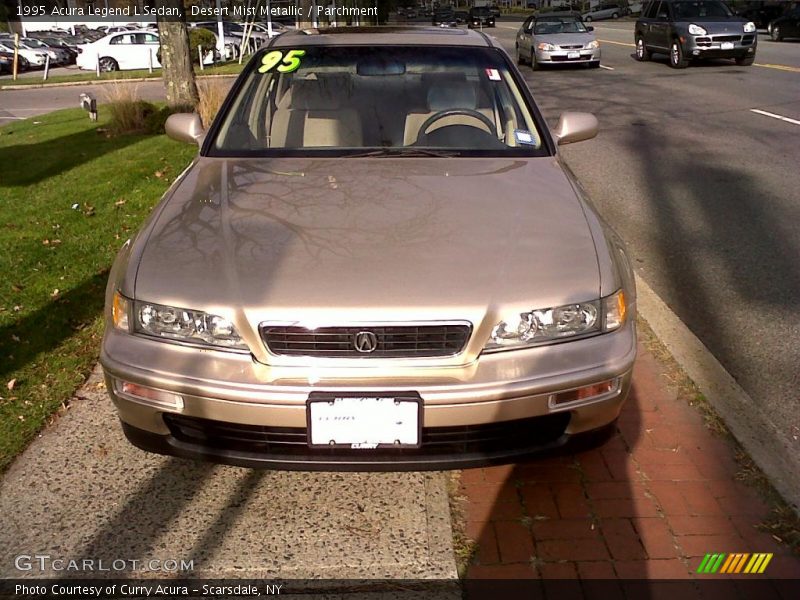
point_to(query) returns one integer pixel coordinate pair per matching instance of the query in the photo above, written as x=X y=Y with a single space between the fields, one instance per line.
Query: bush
x=201 y=38
x=212 y=95
x=128 y=113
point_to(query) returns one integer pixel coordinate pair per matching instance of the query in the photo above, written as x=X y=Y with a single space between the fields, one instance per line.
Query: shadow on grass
x=45 y=329
x=25 y=164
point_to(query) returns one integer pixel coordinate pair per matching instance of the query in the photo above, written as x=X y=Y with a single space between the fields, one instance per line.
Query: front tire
x=595 y=64
x=520 y=59
x=535 y=63
x=776 y=34
x=676 y=58
x=642 y=53
x=745 y=61
x=615 y=16
x=588 y=19
x=108 y=64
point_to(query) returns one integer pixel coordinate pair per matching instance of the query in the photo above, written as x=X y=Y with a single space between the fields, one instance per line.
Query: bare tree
x=176 y=58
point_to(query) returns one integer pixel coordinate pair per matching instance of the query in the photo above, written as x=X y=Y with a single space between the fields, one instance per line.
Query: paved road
x=704 y=190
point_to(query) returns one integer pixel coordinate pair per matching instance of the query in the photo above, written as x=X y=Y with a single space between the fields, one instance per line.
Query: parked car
x=6 y=62
x=786 y=26
x=556 y=38
x=121 y=51
x=604 y=10
x=444 y=17
x=480 y=16
x=694 y=29
x=34 y=58
x=762 y=14
x=376 y=262
x=58 y=56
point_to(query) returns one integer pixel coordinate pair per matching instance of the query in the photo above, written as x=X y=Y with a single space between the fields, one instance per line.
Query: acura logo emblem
x=365 y=341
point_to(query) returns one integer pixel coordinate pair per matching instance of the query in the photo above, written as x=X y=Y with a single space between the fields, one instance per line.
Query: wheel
x=535 y=63
x=108 y=64
x=642 y=53
x=615 y=16
x=776 y=34
x=587 y=19
x=676 y=58
x=520 y=59
x=745 y=61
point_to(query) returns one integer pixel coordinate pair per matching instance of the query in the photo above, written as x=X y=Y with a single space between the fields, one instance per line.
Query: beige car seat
x=312 y=114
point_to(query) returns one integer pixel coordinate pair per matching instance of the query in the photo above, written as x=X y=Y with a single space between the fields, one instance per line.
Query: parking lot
x=697 y=171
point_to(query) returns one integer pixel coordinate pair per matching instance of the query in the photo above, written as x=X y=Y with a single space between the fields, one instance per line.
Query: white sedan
x=120 y=51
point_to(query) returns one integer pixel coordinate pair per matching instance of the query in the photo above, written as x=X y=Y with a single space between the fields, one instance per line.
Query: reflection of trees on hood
x=250 y=212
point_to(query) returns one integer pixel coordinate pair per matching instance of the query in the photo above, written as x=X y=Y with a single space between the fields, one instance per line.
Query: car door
x=525 y=37
x=150 y=44
x=659 y=27
x=121 y=49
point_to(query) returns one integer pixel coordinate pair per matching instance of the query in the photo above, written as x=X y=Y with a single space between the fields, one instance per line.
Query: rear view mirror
x=185 y=127
x=575 y=127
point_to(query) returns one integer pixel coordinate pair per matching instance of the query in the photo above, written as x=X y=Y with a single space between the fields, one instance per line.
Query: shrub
x=128 y=113
x=212 y=94
x=199 y=37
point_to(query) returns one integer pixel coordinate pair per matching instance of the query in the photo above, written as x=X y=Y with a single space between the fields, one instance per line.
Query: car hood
x=374 y=238
x=565 y=39
x=718 y=25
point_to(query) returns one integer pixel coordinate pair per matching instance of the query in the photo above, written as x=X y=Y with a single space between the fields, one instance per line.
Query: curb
x=754 y=430
x=36 y=86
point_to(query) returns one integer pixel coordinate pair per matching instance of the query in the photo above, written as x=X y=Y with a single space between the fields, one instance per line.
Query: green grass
x=55 y=258
x=229 y=68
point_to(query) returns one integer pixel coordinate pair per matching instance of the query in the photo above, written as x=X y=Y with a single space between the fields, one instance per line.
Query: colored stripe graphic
x=731 y=564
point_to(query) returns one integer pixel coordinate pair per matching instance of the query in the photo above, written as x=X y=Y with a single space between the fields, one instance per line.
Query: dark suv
x=694 y=29
x=480 y=16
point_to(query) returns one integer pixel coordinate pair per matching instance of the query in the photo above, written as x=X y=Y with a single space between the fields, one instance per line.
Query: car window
x=336 y=100
x=559 y=26
x=528 y=24
x=146 y=38
x=663 y=11
x=122 y=39
x=690 y=9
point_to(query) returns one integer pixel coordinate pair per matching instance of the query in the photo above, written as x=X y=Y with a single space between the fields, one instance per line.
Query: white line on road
x=606 y=68
x=14 y=118
x=774 y=116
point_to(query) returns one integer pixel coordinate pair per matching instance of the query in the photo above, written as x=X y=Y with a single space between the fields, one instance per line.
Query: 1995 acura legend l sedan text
x=376 y=262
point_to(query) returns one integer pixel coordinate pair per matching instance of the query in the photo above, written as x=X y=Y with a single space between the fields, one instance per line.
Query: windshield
x=481 y=11
x=31 y=43
x=701 y=8
x=559 y=26
x=344 y=100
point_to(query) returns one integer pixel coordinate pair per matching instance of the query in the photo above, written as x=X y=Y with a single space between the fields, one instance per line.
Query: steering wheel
x=453 y=112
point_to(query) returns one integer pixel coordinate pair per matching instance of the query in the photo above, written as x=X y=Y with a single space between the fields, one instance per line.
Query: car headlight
x=545 y=47
x=697 y=30
x=547 y=325
x=592 y=45
x=749 y=27
x=173 y=323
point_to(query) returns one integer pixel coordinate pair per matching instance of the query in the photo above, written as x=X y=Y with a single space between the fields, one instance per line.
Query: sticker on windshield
x=283 y=62
x=524 y=137
x=493 y=74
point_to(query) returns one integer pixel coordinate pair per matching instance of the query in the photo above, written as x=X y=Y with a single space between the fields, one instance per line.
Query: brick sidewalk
x=650 y=503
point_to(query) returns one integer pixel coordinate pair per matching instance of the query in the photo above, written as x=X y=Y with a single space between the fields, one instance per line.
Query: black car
x=762 y=15
x=481 y=16
x=7 y=62
x=786 y=26
x=444 y=17
x=686 y=30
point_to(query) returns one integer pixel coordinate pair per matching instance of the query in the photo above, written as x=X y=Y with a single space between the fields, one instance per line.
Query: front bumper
x=481 y=406
x=715 y=46
x=568 y=56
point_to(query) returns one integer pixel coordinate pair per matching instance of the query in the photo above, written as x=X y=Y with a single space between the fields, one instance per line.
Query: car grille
x=572 y=47
x=565 y=59
x=748 y=39
x=396 y=341
x=293 y=441
x=726 y=38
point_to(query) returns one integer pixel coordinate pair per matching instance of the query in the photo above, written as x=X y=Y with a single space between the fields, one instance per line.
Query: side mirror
x=575 y=127
x=185 y=127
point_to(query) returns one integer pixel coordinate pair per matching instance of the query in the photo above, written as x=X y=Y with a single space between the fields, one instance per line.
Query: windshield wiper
x=405 y=151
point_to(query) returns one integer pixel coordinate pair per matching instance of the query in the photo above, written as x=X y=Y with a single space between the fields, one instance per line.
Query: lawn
x=229 y=68
x=69 y=198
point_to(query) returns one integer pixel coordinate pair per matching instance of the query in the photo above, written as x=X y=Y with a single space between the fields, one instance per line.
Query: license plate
x=573 y=55
x=726 y=46
x=364 y=421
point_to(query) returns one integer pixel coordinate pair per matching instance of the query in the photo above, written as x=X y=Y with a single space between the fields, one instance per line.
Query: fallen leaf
x=75 y=206
x=10 y=385
x=119 y=202
x=16 y=287
x=15 y=337
x=159 y=174
x=55 y=293
x=88 y=210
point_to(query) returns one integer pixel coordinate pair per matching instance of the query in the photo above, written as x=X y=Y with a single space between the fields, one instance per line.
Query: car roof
x=564 y=14
x=382 y=36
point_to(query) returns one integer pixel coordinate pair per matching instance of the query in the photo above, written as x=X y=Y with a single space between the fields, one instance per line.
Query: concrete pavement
x=81 y=491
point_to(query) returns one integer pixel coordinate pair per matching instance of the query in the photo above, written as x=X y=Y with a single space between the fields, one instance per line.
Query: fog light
x=149 y=395
x=586 y=394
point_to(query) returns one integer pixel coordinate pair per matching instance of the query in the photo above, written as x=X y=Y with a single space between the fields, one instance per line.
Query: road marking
x=14 y=118
x=774 y=116
x=617 y=43
x=779 y=67
x=606 y=68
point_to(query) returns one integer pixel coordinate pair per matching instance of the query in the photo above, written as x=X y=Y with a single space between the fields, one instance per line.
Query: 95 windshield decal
x=283 y=62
